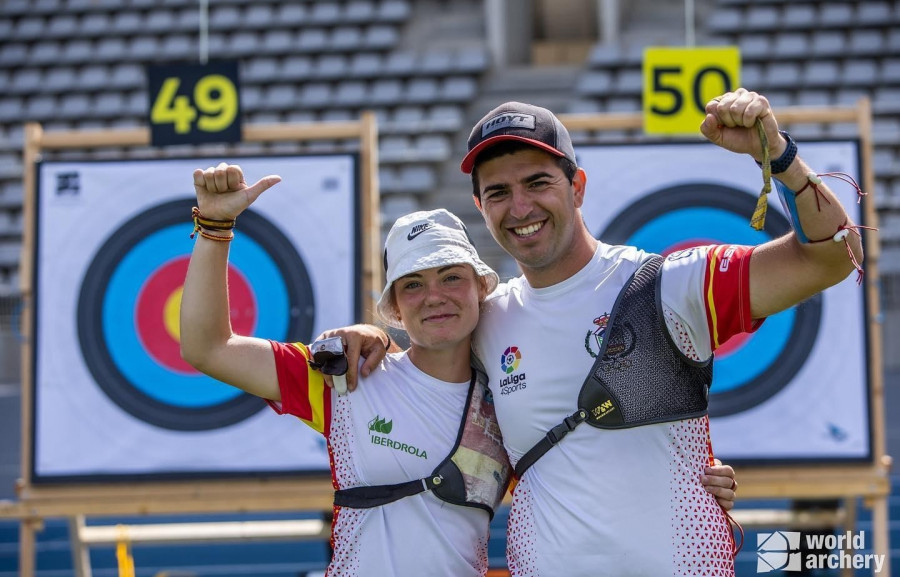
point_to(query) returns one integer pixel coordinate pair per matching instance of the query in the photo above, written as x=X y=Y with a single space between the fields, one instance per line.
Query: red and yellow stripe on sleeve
x=304 y=393
x=727 y=284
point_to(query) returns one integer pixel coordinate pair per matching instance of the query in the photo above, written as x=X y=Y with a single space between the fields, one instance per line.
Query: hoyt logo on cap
x=507 y=121
x=521 y=122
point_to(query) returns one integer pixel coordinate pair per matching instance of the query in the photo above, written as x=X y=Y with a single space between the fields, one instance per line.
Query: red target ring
x=159 y=305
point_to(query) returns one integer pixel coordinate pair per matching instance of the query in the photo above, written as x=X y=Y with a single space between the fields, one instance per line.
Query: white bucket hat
x=423 y=240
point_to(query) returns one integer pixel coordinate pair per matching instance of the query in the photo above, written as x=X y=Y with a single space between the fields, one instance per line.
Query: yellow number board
x=194 y=103
x=678 y=82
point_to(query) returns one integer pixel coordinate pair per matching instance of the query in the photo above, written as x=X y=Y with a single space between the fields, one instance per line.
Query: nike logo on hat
x=417 y=230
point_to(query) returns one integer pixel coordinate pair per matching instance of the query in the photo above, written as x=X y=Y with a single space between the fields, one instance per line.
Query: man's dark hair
x=568 y=167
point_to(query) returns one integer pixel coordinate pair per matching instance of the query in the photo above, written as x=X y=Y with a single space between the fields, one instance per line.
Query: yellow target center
x=171 y=314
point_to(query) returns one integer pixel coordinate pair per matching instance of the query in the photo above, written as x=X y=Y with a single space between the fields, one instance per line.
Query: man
x=624 y=497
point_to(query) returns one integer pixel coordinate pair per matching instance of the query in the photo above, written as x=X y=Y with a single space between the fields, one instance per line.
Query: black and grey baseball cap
x=523 y=122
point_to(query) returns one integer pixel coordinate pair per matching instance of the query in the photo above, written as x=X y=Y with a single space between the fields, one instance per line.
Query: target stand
x=774 y=414
x=110 y=352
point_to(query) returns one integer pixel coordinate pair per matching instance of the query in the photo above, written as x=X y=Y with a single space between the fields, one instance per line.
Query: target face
x=749 y=368
x=774 y=391
x=129 y=304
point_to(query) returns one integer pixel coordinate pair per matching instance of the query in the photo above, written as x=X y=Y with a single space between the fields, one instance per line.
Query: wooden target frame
x=76 y=500
x=846 y=482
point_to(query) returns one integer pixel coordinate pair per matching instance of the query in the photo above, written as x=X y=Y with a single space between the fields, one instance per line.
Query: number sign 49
x=678 y=82
x=193 y=103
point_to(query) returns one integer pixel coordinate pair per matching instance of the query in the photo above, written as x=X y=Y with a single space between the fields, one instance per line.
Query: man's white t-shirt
x=609 y=502
x=397 y=426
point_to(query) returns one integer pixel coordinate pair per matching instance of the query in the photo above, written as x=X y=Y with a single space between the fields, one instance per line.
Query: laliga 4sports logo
x=780 y=551
x=509 y=364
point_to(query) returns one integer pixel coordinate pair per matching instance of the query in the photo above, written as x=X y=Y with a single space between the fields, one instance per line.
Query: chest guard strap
x=476 y=473
x=640 y=376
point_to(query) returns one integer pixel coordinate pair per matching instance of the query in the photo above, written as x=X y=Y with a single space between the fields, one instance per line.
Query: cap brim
x=468 y=163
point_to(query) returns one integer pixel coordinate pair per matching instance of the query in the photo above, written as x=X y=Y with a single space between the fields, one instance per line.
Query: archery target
x=113 y=398
x=128 y=315
x=768 y=398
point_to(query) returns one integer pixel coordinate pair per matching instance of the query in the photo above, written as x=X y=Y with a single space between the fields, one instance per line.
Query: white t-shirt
x=397 y=426
x=609 y=502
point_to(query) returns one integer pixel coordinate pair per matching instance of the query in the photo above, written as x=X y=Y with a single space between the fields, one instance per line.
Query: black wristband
x=783 y=162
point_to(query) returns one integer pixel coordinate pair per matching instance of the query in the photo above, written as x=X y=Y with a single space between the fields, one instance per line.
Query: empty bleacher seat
x=350 y=93
x=296 y=68
x=40 y=108
x=829 y=43
x=11 y=109
x=380 y=37
x=434 y=147
x=330 y=66
x=754 y=47
x=629 y=81
x=821 y=73
x=280 y=97
x=239 y=44
x=782 y=74
x=761 y=17
x=312 y=40
x=61 y=79
x=393 y=10
x=866 y=42
x=315 y=95
x=366 y=65
x=596 y=83
x=835 y=14
x=277 y=42
x=179 y=47
x=445 y=117
x=400 y=63
x=160 y=22
x=791 y=45
x=415 y=178
x=45 y=53
x=386 y=91
x=890 y=71
x=13 y=54
x=813 y=98
x=74 y=106
x=61 y=26
x=751 y=76
x=259 y=15
x=471 y=61
x=435 y=62
x=291 y=14
x=874 y=13
x=798 y=16
x=407 y=119
x=224 y=17
x=25 y=80
x=359 y=12
x=726 y=19
x=28 y=29
x=127 y=22
x=422 y=90
x=109 y=104
x=98 y=24
x=260 y=70
x=458 y=89
x=142 y=48
x=859 y=72
x=325 y=13
x=345 y=38
x=126 y=76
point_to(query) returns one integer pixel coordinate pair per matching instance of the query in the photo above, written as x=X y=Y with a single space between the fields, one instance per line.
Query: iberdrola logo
x=509 y=361
x=378 y=425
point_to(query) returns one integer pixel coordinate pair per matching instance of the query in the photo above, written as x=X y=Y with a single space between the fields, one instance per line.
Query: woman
x=402 y=506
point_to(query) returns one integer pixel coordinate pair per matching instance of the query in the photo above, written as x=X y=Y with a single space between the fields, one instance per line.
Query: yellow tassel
x=758 y=220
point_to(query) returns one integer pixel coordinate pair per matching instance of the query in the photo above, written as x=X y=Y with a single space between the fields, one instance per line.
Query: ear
x=579 y=183
x=477 y=202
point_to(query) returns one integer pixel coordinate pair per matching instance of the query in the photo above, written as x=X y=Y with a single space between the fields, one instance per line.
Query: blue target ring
x=768 y=359
x=278 y=293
